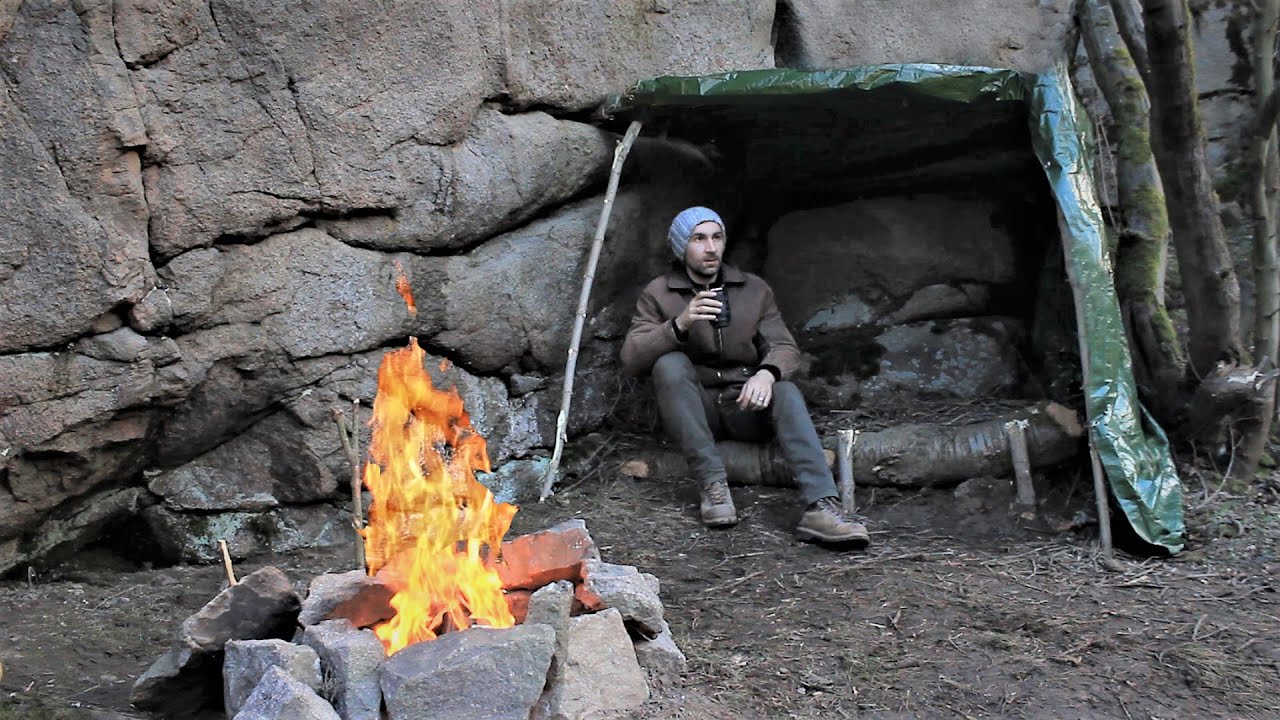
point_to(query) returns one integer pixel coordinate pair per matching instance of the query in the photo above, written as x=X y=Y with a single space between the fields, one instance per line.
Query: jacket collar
x=678 y=279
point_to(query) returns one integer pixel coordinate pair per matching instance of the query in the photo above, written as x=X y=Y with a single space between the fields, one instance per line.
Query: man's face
x=705 y=251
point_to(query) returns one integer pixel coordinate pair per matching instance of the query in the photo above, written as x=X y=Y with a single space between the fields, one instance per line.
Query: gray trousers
x=695 y=416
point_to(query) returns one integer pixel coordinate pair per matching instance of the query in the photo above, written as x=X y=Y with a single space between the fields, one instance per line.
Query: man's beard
x=698 y=274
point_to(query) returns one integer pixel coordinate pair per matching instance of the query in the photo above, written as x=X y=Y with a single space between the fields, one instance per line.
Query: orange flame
x=406 y=292
x=432 y=525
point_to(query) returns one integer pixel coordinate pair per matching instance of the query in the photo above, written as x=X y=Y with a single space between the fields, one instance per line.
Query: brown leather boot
x=717 y=504
x=825 y=522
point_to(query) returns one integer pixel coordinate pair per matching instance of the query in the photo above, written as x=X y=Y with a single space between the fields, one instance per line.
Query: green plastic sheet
x=1132 y=448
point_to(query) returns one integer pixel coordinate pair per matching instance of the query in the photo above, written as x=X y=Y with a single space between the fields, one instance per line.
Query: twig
x=226 y=563
x=357 y=510
x=562 y=422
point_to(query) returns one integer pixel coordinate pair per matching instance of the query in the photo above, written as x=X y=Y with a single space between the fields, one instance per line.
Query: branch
x=588 y=276
x=1129 y=22
x=1267 y=115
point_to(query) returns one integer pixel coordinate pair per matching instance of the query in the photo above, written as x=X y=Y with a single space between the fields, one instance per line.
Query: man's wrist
x=681 y=335
x=773 y=372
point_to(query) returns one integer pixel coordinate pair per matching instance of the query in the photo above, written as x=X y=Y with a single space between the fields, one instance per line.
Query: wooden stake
x=844 y=463
x=1016 y=431
x=226 y=563
x=1099 y=476
x=562 y=422
x=351 y=441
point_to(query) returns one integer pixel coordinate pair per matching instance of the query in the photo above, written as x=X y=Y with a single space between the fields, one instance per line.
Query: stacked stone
x=590 y=639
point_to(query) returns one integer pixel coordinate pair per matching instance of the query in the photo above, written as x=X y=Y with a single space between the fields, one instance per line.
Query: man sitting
x=721 y=358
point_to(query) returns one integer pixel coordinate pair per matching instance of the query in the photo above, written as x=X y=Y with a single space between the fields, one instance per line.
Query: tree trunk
x=1208 y=277
x=1262 y=161
x=1128 y=14
x=916 y=455
x=1144 y=236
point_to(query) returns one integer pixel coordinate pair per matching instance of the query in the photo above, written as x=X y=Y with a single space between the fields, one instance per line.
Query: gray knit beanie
x=682 y=227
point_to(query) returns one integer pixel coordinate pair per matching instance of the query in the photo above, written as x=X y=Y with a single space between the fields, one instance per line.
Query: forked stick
x=562 y=422
x=349 y=445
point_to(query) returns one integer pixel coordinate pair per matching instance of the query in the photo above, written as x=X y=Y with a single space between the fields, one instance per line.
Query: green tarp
x=967 y=105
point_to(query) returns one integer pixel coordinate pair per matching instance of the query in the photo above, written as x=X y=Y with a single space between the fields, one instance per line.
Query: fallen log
x=914 y=455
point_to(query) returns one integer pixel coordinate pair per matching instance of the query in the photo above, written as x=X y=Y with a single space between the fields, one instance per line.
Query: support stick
x=844 y=463
x=1099 y=476
x=226 y=563
x=1016 y=431
x=353 y=457
x=562 y=422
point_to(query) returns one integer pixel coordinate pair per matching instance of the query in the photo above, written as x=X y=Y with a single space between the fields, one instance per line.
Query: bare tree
x=1141 y=255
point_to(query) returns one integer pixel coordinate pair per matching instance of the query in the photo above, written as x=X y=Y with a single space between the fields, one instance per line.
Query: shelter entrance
x=908 y=219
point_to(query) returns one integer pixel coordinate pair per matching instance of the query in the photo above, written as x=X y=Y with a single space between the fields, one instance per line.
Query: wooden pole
x=844 y=465
x=1016 y=430
x=349 y=445
x=1099 y=477
x=588 y=276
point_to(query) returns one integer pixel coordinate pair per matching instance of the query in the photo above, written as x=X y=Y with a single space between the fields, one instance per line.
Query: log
x=914 y=455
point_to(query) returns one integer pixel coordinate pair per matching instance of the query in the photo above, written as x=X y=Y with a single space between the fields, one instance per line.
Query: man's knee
x=787 y=395
x=672 y=368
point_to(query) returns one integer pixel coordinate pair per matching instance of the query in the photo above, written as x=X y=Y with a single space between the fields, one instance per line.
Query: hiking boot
x=717 y=504
x=825 y=522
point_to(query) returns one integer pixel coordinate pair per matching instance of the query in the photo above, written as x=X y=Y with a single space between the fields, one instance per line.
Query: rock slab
x=537 y=559
x=478 y=674
x=623 y=587
x=349 y=660
x=352 y=595
x=601 y=675
x=246 y=662
x=280 y=697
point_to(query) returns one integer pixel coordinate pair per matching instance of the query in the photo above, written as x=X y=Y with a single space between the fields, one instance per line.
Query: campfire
x=442 y=601
x=434 y=530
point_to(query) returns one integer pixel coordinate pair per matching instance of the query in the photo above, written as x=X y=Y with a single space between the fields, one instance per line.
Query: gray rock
x=152 y=313
x=75 y=239
x=352 y=596
x=262 y=606
x=437 y=679
x=543 y=557
x=189 y=676
x=245 y=664
x=350 y=659
x=1027 y=35
x=660 y=657
x=119 y=345
x=551 y=605
x=516 y=481
x=971 y=358
x=508 y=169
x=605 y=585
x=106 y=322
x=882 y=248
x=280 y=697
x=535 y=272
x=525 y=384
x=942 y=301
x=193 y=537
x=602 y=675
x=570 y=57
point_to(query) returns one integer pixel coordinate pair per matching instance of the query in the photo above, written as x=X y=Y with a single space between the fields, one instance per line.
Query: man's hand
x=703 y=306
x=758 y=392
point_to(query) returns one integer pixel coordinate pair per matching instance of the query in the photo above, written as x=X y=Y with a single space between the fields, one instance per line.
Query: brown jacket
x=756 y=337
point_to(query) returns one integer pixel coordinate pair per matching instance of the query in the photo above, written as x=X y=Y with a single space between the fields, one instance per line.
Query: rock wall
x=203 y=202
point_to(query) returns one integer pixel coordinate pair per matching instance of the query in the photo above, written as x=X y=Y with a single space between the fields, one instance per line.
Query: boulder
x=880 y=251
x=626 y=589
x=506 y=170
x=601 y=674
x=970 y=358
x=75 y=219
x=571 y=55
x=438 y=679
x=660 y=657
x=350 y=659
x=551 y=605
x=353 y=596
x=280 y=697
x=189 y=676
x=1027 y=35
x=246 y=662
x=193 y=537
x=557 y=553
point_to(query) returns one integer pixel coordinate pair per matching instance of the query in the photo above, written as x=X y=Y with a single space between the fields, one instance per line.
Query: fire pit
x=547 y=627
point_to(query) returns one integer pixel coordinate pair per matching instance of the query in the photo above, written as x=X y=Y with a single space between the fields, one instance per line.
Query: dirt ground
x=956 y=610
